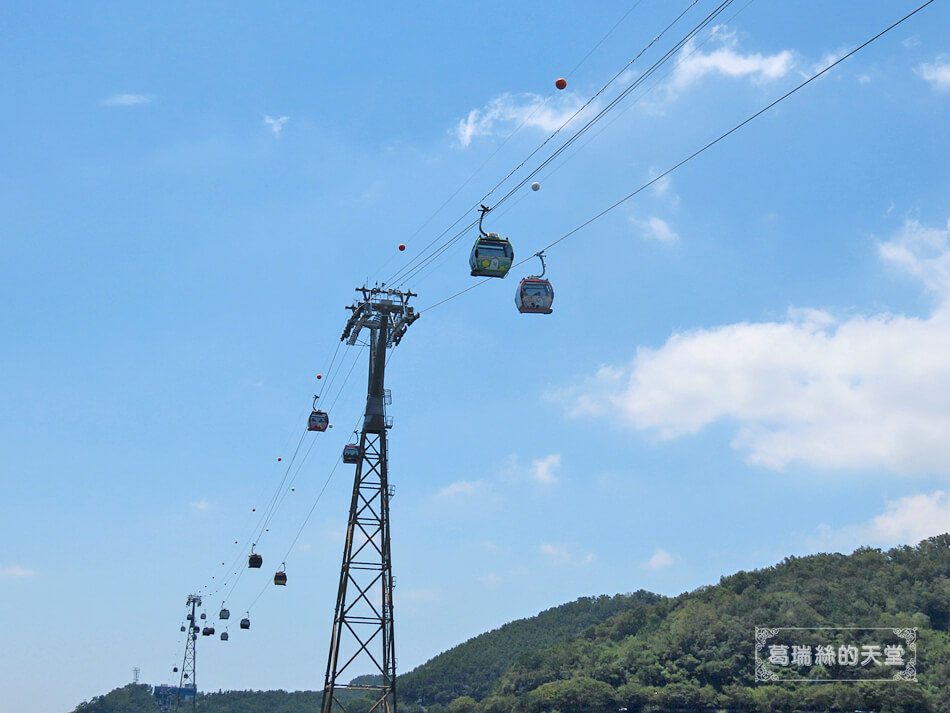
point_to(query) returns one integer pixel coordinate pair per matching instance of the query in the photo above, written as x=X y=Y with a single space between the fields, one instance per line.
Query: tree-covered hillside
x=643 y=653
x=474 y=668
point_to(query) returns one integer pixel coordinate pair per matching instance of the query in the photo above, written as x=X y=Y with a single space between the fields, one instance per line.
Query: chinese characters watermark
x=835 y=654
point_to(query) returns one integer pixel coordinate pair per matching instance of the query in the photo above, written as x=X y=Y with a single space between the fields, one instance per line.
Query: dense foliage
x=474 y=668
x=134 y=698
x=643 y=653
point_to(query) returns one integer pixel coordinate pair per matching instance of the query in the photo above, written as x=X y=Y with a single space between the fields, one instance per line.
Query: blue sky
x=748 y=360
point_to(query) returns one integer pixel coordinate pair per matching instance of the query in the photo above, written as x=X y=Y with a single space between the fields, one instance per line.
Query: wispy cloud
x=542 y=469
x=462 y=488
x=656 y=229
x=127 y=100
x=661 y=558
x=276 y=125
x=16 y=571
x=937 y=72
x=907 y=520
x=560 y=554
x=863 y=392
x=200 y=505
x=726 y=60
x=509 y=111
x=556 y=553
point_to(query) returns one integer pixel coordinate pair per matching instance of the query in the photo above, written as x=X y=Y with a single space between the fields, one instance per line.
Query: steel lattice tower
x=188 y=663
x=362 y=638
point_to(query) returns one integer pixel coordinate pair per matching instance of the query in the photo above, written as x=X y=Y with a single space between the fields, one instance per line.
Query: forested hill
x=474 y=668
x=644 y=653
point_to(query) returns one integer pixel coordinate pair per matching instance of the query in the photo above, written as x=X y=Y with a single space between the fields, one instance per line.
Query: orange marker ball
x=561 y=83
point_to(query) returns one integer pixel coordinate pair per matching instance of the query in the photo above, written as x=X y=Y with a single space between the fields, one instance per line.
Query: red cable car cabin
x=319 y=421
x=534 y=296
x=351 y=453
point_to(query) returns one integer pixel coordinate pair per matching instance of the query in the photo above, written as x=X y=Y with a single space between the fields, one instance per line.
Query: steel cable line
x=281 y=494
x=580 y=132
x=636 y=100
x=504 y=142
x=535 y=110
x=405 y=273
x=315 y=503
x=696 y=153
x=278 y=496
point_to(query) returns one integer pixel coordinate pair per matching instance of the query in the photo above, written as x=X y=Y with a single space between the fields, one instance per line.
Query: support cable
x=698 y=151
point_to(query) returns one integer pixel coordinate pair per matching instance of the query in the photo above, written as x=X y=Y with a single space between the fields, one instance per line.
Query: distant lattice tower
x=362 y=638
x=135 y=675
x=188 y=680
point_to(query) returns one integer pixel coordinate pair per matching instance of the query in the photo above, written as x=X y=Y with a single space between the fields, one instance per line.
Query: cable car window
x=493 y=250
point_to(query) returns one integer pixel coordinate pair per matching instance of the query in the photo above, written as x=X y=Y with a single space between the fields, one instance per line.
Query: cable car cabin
x=351 y=453
x=534 y=296
x=280 y=578
x=190 y=617
x=319 y=421
x=182 y=628
x=203 y=615
x=224 y=636
x=491 y=256
x=245 y=623
x=207 y=631
x=254 y=560
x=224 y=614
x=175 y=669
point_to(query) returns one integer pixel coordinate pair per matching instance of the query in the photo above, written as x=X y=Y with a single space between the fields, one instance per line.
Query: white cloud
x=907 y=520
x=558 y=554
x=937 y=73
x=16 y=571
x=912 y=41
x=276 y=125
x=542 y=469
x=862 y=392
x=657 y=229
x=464 y=488
x=660 y=558
x=827 y=59
x=509 y=111
x=200 y=505
x=126 y=100
x=694 y=64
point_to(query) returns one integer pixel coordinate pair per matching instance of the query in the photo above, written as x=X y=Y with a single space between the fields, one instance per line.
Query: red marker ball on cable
x=402 y=246
x=561 y=83
x=319 y=376
x=278 y=459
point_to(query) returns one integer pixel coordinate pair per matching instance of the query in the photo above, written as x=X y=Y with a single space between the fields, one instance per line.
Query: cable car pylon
x=362 y=639
x=187 y=680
